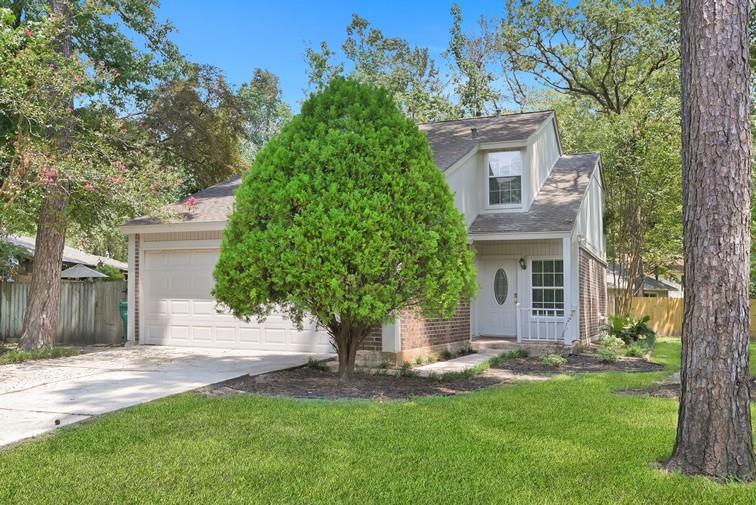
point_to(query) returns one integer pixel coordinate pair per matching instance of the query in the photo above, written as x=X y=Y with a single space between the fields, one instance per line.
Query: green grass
x=565 y=441
x=10 y=355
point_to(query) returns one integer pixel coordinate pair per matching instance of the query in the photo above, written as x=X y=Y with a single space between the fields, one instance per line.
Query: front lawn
x=12 y=354
x=567 y=440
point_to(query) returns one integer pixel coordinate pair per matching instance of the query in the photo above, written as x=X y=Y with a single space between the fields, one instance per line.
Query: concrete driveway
x=37 y=394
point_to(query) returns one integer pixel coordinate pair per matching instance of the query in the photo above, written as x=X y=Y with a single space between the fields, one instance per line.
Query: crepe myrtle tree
x=344 y=218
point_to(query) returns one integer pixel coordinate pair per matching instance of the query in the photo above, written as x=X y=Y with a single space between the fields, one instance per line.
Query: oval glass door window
x=501 y=286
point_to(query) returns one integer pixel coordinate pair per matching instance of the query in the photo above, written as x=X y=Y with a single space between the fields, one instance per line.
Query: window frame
x=487 y=180
x=542 y=312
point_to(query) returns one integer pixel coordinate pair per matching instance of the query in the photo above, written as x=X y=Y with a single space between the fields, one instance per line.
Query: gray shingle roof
x=451 y=140
x=70 y=254
x=556 y=206
x=212 y=204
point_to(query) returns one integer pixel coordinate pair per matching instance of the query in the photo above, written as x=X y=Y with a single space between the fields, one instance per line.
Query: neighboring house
x=71 y=257
x=652 y=287
x=534 y=217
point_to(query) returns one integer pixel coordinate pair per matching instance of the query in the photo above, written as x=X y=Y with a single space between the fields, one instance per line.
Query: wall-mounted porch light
x=523 y=264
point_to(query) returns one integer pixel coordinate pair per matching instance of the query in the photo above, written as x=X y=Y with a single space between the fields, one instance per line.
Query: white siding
x=520 y=248
x=543 y=152
x=182 y=235
x=466 y=182
x=590 y=221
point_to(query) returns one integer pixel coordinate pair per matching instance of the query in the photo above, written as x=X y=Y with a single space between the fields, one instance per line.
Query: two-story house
x=535 y=221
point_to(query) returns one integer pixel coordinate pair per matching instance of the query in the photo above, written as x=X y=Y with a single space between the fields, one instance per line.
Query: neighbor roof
x=452 y=140
x=556 y=206
x=80 y=271
x=649 y=283
x=70 y=254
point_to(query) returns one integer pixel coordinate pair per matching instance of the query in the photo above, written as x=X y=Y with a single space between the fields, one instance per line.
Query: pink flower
x=89 y=186
x=191 y=202
x=28 y=32
x=120 y=165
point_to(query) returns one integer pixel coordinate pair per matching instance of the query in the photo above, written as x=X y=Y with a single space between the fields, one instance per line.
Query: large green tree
x=264 y=110
x=345 y=218
x=70 y=70
x=617 y=60
x=409 y=73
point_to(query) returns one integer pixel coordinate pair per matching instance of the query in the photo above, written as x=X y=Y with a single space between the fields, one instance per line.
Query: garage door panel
x=179 y=310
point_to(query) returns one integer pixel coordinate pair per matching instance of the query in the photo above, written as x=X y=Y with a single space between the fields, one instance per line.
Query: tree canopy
x=344 y=217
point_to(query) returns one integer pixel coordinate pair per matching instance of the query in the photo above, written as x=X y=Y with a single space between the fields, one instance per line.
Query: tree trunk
x=714 y=436
x=347 y=339
x=43 y=305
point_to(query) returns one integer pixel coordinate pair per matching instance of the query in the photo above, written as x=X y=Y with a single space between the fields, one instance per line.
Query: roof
x=649 y=283
x=555 y=207
x=212 y=204
x=80 y=271
x=452 y=140
x=70 y=254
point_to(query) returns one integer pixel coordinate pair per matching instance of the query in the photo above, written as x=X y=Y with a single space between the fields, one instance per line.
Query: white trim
x=506 y=145
x=142 y=335
x=181 y=244
x=473 y=237
x=130 y=291
x=488 y=207
x=174 y=227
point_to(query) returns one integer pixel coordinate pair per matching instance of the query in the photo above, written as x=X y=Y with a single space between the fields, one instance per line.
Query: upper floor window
x=505 y=178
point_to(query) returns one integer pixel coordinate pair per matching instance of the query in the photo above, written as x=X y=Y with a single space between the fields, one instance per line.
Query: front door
x=497 y=284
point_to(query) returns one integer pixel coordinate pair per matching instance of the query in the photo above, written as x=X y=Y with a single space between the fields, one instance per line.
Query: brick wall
x=421 y=333
x=374 y=340
x=592 y=295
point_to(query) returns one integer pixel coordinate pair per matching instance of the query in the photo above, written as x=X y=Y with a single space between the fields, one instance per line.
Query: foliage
x=612 y=342
x=607 y=355
x=112 y=272
x=630 y=330
x=345 y=218
x=197 y=122
x=265 y=111
x=409 y=73
x=607 y=51
x=474 y=82
x=10 y=258
x=636 y=350
x=107 y=170
x=9 y=355
x=554 y=360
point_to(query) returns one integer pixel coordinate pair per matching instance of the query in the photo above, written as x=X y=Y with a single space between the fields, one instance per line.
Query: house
x=24 y=258
x=534 y=216
x=653 y=287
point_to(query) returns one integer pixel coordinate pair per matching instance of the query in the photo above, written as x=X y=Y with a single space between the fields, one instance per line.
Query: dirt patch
x=578 y=363
x=671 y=390
x=313 y=383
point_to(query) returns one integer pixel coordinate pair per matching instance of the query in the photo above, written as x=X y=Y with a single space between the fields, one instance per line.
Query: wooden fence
x=667 y=314
x=88 y=311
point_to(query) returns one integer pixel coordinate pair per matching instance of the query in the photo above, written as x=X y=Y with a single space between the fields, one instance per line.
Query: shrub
x=631 y=330
x=518 y=353
x=554 y=360
x=447 y=354
x=636 y=350
x=418 y=360
x=611 y=343
x=606 y=355
x=406 y=370
x=345 y=218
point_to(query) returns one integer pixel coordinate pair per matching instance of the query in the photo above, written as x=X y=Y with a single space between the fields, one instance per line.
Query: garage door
x=178 y=310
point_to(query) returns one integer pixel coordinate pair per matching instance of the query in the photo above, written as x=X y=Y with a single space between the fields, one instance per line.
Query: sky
x=238 y=36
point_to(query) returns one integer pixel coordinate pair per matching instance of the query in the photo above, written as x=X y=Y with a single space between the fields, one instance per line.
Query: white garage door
x=178 y=310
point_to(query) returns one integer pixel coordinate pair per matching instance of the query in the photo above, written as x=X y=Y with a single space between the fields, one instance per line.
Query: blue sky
x=238 y=36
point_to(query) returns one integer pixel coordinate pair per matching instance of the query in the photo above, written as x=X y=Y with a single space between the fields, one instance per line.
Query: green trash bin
x=123 y=308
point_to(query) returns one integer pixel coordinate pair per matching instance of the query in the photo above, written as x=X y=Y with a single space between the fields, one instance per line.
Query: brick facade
x=592 y=279
x=419 y=337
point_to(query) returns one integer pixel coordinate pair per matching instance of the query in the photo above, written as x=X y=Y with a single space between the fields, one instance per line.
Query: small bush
x=606 y=355
x=554 y=360
x=636 y=350
x=406 y=370
x=518 y=353
x=447 y=354
x=432 y=358
x=630 y=330
x=10 y=355
x=418 y=360
x=317 y=365
x=612 y=343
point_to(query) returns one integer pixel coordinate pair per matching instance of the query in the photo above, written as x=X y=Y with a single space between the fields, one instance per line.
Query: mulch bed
x=578 y=363
x=671 y=391
x=313 y=383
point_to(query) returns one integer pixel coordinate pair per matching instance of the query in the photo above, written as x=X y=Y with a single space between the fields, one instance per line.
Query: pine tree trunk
x=43 y=301
x=714 y=436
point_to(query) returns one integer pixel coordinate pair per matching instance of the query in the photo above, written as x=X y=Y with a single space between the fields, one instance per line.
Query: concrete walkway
x=38 y=396
x=457 y=364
